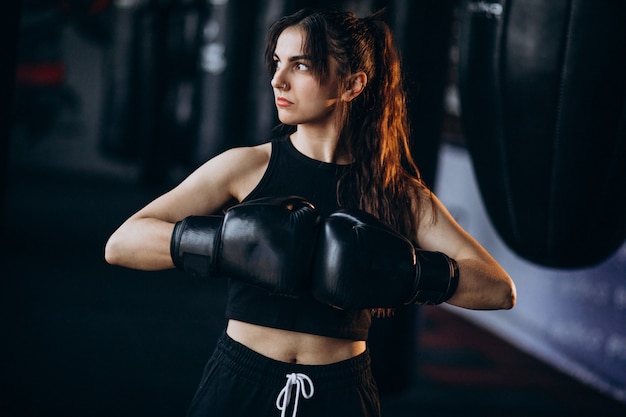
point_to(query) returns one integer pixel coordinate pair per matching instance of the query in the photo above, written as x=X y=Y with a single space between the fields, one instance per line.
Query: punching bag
x=117 y=140
x=422 y=30
x=8 y=43
x=150 y=111
x=543 y=91
x=224 y=77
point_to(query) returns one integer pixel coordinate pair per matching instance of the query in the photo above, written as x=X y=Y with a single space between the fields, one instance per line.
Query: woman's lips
x=283 y=102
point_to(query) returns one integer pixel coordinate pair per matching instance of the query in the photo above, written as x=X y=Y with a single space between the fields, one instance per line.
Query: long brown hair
x=383 y=178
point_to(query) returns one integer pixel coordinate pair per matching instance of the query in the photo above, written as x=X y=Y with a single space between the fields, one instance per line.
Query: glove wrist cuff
x=437 y=278
x=193 y=245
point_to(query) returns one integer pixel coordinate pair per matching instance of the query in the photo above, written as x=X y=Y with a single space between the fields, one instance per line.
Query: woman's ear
x=356 y=84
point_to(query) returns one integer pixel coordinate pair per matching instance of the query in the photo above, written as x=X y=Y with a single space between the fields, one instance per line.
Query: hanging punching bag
x=542 y=91
x=149 y=108
x=115 y=138
x=8 y=43
x=422 y=29
x=224 y=77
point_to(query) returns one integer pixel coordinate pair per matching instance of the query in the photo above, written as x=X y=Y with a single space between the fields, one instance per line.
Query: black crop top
x=292 y=173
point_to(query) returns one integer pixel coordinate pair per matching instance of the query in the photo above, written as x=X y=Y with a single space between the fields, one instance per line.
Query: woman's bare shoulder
x=251 y=155
x=245 y=167
x=223 y=178
x=234 y=162
x=244 y=154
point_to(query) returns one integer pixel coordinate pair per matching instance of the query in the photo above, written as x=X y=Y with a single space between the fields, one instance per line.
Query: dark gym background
x=106 y=104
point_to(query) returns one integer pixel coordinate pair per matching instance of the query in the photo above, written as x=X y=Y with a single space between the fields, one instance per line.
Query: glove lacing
x=304 y=387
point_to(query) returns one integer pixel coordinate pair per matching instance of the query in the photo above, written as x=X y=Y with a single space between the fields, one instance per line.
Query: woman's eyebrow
x=296 y=57
x=300 y=57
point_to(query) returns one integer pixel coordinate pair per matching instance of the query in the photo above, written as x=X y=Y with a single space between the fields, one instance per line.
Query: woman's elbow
x=508 y=295
x=113 y=251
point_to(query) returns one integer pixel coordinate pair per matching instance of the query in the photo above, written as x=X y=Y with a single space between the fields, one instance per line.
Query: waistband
x=261 y=369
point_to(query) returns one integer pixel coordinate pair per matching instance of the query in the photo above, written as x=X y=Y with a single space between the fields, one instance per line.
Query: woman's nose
x=278 y=81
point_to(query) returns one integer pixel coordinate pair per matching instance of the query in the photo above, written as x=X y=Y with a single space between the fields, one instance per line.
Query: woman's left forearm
x=483 y=285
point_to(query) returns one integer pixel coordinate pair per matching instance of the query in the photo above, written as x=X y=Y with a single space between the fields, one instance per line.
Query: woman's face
x=299 y=96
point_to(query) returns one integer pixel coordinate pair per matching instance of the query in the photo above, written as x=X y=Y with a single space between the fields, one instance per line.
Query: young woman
x=299 y=310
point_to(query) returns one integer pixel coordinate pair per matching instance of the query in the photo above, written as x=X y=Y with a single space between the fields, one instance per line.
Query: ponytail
x=384 y=176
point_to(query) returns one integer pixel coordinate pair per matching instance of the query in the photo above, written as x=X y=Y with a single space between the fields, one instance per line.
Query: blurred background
x=519 y=125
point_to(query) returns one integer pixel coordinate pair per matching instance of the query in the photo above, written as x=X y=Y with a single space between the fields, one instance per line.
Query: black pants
x=240 y=382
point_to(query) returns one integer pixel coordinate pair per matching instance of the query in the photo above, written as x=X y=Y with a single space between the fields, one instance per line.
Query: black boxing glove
x=267 y=243
x=361 y=263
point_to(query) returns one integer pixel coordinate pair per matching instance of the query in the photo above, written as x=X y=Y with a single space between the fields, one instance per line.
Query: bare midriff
x=293 y=347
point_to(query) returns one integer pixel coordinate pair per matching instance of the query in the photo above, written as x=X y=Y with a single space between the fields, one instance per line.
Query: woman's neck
x=321 y=145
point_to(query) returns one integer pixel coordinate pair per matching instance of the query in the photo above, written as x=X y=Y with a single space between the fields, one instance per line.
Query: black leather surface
x=543 y=89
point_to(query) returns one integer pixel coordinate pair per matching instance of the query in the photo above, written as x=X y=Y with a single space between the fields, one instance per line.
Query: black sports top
x=292 y=173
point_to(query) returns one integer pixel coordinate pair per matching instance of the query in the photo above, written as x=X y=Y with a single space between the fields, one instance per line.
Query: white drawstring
x=304 y=386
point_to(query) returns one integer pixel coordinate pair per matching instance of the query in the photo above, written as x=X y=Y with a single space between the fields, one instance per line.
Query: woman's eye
x=276 y=64
x=302 y=67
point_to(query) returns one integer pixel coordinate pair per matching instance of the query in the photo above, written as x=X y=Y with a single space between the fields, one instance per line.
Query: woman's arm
x=143 y=241
x=483 y=283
